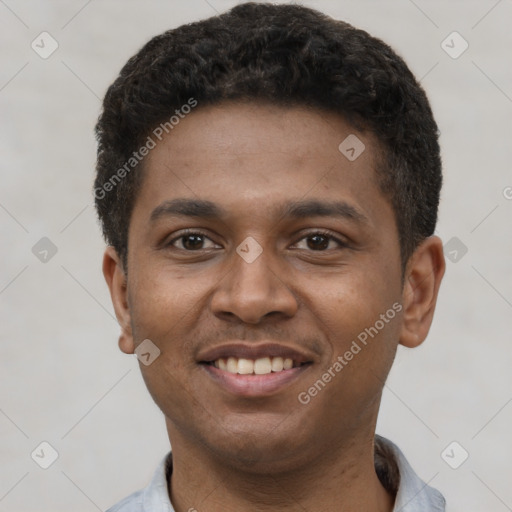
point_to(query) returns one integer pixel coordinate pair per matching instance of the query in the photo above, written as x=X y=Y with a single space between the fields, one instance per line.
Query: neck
x=339 y=481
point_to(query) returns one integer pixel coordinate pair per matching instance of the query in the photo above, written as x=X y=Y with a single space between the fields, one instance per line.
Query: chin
x=259 y=450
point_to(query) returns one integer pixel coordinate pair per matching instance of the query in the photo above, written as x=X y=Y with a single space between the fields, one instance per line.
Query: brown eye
x=318 y=242
x=191 y=242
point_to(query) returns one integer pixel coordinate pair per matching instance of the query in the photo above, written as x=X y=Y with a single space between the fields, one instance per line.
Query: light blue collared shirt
x=413 y=494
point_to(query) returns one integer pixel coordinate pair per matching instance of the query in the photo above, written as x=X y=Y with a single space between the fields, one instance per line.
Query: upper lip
x=253 y=351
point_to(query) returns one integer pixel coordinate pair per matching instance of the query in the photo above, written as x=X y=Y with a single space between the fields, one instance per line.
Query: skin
x=187 y=294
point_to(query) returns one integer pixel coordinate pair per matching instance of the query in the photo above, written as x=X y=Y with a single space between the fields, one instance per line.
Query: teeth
x=277 y=364
x=245 y=366
x=232 y=365
x=261 y=366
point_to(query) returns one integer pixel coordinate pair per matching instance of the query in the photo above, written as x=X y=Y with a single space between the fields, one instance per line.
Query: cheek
x=354 y=301
x=361 y=322
x=161 y=304
x=361 y=316
x=164 y=310
x=170 y=310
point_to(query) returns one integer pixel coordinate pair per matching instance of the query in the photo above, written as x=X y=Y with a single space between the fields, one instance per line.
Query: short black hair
x=286 y=55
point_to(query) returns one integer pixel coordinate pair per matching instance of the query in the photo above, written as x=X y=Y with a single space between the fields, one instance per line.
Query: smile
x=254 y=369
x=260 y=366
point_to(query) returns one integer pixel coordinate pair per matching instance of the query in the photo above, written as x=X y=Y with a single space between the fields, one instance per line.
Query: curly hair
x=287 y=55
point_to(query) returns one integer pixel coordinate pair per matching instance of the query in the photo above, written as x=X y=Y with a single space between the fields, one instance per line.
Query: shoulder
x=154 y=497
x=132 y=503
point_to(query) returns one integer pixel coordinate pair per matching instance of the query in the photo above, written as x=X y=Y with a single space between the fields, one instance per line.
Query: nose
x=253 y=291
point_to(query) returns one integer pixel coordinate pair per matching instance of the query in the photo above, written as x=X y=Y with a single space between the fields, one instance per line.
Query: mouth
x=260 y=366
x=254 y=370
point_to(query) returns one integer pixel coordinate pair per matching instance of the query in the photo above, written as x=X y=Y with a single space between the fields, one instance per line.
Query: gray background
x=62 y=378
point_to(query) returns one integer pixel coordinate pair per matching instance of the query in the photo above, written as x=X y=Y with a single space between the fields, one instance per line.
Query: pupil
x=315 y=245
x=197 y=240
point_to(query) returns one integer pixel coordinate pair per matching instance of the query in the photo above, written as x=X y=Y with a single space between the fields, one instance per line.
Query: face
x=260 y=257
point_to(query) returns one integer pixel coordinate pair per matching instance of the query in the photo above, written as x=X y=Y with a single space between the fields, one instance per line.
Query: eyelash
x=324 y=233
x=328 y=235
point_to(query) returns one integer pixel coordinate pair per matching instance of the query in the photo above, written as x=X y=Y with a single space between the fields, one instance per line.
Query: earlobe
x=423 y=277
x=115 y=277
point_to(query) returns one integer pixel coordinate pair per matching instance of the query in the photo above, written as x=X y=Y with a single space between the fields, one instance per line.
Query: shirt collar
x=413 y=494
x=155 y=497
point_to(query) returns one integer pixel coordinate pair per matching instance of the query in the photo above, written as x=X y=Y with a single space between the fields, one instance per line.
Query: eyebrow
x=298 y=209
x=187 y=208
x=316 y=208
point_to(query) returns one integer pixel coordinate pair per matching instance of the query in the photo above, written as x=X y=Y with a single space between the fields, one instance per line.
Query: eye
x=191 y=241
x=321 y=241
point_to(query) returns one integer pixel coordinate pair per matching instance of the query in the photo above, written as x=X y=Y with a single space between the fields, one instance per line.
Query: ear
x=422 y=279
x=116 y=281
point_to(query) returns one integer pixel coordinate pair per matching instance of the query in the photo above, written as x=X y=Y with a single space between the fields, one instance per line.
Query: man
x=268 y=183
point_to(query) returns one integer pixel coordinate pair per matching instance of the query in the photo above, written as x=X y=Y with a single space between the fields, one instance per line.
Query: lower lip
x=254 y=385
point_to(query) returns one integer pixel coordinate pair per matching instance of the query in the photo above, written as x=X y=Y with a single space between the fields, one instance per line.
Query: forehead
x=251 y=155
